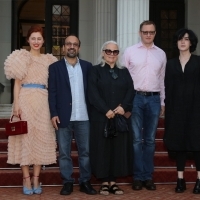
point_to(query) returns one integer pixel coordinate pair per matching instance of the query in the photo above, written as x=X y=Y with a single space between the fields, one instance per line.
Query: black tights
x=181 y=157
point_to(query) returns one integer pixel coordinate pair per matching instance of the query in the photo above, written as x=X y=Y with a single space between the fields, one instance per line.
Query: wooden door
x=169 y=16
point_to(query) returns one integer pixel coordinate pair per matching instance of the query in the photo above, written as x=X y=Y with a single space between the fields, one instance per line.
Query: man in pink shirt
x=146 y=64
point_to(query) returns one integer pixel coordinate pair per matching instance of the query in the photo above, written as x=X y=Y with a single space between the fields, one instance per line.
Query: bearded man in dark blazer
x=67 y=85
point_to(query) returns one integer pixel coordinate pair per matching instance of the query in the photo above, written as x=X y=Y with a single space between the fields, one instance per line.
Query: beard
x=72 y=54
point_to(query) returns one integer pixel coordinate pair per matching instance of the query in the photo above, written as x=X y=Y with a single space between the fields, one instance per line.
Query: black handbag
x=121 y=123
x=110 y=129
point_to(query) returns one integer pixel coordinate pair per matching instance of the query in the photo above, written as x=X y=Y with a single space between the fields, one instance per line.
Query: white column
x=104 y=24
x=86 y=22
x=130 y=14
x=5 y=43
x=192 y=19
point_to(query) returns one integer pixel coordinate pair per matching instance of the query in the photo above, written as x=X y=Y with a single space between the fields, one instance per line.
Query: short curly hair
x=192 y=37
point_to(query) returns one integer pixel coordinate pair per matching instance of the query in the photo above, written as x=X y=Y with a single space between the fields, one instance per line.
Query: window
x=60 y=28
x=61 y=19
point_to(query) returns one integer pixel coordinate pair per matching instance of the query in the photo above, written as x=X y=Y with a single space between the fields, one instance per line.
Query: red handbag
x=16 y=128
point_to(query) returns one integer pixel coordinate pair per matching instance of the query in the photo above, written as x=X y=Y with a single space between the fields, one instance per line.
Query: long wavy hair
x=101 y=59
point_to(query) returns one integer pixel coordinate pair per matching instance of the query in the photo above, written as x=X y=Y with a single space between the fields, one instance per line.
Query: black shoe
x=149 y=185
x=87 y=188
x=196 y=189
x=67 y=189
x=137 y=185
x=181 y=186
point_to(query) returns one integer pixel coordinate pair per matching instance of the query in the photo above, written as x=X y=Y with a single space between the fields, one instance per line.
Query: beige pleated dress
x=38 y=146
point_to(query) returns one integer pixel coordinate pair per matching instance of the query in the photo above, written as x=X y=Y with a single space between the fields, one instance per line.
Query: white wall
x=193 y=19
x=5 y=44
x=86 y=34
x=97 y=24
x=86 y=30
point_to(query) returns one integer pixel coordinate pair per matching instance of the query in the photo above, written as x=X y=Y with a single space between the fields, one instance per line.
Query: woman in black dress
x=111 y=92
x=182 y=105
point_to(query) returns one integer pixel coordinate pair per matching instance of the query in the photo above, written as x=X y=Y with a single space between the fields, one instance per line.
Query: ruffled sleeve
x=16 y=64
x=51 y=58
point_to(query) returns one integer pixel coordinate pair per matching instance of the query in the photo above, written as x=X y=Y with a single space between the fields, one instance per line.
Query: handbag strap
x=16 y=116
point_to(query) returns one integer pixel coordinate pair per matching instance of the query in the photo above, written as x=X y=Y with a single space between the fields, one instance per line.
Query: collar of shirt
x=68 y=64
x=140 y=44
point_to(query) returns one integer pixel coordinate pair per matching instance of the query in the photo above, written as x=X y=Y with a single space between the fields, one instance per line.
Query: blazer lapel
x=64 y=71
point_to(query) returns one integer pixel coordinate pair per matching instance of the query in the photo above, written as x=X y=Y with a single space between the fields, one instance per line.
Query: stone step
x=5 y=120
x=52 y=177
x=159 y=133
x=5 y=111
x=160 y=160
x=4 y=144
x=5 y=165
x=5 y=115
x=161 y=122
x=5 y=107
x=3 y=134
x=160 y=147
x=165 y=170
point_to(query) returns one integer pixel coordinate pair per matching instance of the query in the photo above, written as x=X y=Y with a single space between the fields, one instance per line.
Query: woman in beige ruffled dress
x=38 y=146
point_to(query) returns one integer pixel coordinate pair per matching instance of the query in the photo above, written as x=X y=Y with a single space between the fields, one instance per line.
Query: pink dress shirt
x=147 y=68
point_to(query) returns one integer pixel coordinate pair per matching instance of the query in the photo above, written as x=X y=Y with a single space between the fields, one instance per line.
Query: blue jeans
x=144 y=121
x=64 y=138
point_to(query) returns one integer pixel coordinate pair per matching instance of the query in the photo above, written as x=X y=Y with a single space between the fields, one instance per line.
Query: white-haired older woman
x=110 y=92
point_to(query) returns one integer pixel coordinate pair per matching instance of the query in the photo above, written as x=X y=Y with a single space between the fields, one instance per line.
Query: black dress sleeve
x=168 y=81
x=128 y=99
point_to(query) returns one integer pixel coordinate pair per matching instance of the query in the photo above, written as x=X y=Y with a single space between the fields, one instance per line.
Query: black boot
x=196 y=189
x=181 y=186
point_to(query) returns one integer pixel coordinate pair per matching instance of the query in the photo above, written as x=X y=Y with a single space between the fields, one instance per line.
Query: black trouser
x=181 y=157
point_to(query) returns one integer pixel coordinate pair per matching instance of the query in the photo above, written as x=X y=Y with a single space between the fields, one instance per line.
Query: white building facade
x=98 y=21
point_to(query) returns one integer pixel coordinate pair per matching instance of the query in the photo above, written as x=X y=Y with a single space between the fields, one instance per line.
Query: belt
x=33 y=86
x=147 y=93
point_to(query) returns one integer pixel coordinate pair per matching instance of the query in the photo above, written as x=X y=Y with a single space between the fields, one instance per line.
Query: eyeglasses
x=109 y=52
x=69 y=44
x=148 y=32
x=113 y=74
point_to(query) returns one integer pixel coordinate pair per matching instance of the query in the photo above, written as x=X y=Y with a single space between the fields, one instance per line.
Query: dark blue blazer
x=59 y=90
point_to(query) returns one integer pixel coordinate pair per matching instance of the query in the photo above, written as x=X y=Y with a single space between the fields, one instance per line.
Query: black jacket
x=106 y=93
x=182 y=105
